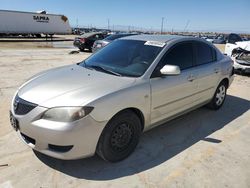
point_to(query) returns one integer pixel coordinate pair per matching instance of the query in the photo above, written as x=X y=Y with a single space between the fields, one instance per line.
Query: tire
x=81 y=49
x=120 y=137
x=219 y=96
x=38 y=35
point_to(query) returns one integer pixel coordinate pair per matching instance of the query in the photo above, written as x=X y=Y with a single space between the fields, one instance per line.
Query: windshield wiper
x=98 y=67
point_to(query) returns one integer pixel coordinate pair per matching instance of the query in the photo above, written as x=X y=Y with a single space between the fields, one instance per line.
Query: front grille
x=244 y=63
x=60 y=148
x=22 y=107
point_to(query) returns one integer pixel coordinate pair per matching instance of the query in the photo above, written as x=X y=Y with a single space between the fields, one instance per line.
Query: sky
x=185 y=15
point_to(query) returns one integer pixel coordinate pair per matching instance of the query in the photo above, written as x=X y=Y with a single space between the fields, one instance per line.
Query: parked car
x=103 y=104
x=210 y=39
x=101 y=43
x=239 y=50
x=219 y=40
x=87 y=40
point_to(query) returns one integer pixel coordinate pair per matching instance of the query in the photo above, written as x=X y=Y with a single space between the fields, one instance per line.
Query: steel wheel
x=121 y=137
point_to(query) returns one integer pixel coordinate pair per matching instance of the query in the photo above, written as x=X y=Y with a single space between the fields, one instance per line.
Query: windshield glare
x=125 y=57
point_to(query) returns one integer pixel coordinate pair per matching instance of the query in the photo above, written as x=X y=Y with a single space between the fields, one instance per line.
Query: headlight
x=66 y=114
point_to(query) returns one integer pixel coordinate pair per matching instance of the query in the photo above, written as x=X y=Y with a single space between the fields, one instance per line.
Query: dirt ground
x=203 y=148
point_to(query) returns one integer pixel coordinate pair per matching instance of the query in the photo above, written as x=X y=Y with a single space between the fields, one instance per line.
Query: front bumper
x=240 y=67
x=70 y=140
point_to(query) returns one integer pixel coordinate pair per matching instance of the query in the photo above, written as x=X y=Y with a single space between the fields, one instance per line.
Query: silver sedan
x=103 y=104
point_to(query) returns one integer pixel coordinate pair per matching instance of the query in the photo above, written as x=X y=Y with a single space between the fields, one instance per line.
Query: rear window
x=86 y=35
x=113 y=37
x=204 y=53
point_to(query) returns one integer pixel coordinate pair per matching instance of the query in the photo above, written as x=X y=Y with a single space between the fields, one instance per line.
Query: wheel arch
x=136 y=111
x=226 y=81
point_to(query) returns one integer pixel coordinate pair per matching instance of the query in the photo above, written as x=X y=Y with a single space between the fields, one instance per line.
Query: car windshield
x=124 y=58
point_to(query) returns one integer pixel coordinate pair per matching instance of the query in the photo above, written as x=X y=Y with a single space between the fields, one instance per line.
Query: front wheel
x=219 y=96
x=120 y=137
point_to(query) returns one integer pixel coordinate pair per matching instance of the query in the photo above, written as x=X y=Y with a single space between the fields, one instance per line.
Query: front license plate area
x=14 y=122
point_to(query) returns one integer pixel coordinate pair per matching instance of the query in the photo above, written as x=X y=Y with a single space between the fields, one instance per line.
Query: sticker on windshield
x=154 y=43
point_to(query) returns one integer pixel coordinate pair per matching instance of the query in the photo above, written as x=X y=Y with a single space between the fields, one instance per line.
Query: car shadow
x=157 y=145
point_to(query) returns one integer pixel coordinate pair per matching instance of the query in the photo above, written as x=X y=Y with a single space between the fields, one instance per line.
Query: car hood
x=244 y=45
x=71 y=86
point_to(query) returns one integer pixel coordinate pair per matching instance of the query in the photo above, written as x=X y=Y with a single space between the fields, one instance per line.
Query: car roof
x=158 y=38
x=90 y=34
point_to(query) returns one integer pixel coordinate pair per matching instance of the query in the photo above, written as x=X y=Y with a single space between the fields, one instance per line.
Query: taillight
x=82 y=40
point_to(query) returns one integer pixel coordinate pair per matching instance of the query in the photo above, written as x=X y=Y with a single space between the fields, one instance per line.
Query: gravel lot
x=203 y=148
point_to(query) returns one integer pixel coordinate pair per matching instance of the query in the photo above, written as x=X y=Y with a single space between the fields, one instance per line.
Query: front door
x=174 y=94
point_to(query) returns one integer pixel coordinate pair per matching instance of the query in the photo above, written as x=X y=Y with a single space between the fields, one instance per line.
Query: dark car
x=233 y=38
x=101 y=43
x=87 y=40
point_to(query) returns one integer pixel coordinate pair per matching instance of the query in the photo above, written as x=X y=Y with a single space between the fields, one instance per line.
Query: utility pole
x=162 y=20
x=108 y=23
x=184 y=30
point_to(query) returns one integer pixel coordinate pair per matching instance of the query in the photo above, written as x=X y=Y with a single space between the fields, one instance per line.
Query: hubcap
x=220 y=95
x=121 y=137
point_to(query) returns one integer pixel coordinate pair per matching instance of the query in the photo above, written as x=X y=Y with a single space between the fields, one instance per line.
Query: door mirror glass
x=170 y=70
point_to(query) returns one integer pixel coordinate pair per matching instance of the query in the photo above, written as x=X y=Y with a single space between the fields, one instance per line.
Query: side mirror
x=170 y=70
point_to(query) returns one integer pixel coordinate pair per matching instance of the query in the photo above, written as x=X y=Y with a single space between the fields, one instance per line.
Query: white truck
x=30 y=23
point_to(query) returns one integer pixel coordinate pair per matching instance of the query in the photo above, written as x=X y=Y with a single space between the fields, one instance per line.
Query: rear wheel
x=81 y=49
x=219 y=96
x=120 y=137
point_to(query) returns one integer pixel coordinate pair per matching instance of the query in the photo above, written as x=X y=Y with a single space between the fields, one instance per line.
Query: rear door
x=174 y=94
x=208 y=70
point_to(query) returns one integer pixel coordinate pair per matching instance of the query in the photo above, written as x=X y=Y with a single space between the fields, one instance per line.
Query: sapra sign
x=44 y=19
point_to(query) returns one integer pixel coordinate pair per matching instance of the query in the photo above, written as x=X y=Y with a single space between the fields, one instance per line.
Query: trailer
x=31 y=23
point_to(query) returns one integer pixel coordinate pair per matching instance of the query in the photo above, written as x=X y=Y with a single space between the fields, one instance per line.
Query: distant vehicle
x=245 y=39
x=103 y=104
x=101 y=43
x=239 y=50
x=31 y=23
x=87 y=40
x=219 y=40
x=210 y=39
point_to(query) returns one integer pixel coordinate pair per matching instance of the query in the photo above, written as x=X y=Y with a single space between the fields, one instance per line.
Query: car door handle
x=190 y=78
x=216 y=70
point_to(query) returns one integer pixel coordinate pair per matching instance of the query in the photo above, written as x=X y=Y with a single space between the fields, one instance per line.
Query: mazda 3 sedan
x=104 y=103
